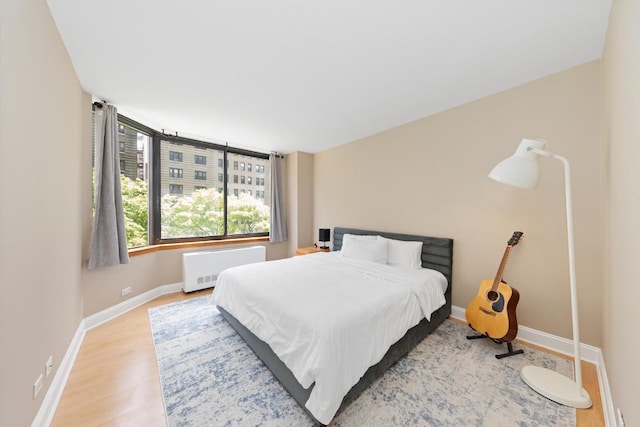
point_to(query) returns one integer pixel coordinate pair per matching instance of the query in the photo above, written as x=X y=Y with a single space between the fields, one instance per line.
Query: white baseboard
x=128 y=305
x=605 y=392
x=564 y=346
x=54 y=393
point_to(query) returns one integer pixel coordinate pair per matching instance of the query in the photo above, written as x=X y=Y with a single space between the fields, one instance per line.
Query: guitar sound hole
x=493 y=296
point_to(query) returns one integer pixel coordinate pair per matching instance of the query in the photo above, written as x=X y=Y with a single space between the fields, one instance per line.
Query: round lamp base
x=555 y=386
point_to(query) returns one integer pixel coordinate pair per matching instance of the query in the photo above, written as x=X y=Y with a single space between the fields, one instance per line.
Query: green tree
x=246 y=214
x=135 y=196
x=198 y=214
x=202 y=214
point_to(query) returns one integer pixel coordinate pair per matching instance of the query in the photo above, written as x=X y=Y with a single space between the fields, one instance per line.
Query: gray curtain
x=109 y=238
x=278 y=230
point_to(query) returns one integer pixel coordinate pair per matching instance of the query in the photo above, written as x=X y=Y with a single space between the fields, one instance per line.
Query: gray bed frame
x=437 y=254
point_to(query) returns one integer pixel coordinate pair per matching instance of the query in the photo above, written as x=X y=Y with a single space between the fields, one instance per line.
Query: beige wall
x=299 y=197
x=430 y=177
x=621 y=78
x=41 y=117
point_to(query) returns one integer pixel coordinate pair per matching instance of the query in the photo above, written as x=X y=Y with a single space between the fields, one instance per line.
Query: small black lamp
x=324 y=237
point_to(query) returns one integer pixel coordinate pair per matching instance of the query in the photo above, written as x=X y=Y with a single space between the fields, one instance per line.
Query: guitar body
x=494 y=314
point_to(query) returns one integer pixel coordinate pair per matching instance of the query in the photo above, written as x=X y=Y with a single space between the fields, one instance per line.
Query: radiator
x=200 y=269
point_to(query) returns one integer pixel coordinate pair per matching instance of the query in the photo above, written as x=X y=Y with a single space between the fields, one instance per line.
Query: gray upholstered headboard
x=437 y=252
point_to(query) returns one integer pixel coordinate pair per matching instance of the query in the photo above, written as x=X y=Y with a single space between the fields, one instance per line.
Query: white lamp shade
x=521 y=169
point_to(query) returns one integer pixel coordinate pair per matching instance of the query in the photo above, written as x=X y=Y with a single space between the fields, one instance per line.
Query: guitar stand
x=510 y=352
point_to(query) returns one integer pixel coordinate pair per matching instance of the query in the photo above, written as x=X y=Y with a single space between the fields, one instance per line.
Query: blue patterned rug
x=210 y=377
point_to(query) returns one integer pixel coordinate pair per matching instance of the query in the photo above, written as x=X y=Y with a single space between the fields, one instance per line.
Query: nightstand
x=310 y=250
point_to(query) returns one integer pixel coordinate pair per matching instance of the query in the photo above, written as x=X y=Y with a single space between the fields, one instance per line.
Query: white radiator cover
x=200 y=269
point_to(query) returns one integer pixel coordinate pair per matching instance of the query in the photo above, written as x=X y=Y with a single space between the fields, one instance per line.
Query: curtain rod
x=99 y=104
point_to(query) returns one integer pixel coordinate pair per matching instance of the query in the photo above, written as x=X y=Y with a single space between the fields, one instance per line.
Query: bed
x=302 y=368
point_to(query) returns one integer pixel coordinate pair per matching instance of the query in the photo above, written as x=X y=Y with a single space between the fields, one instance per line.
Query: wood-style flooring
x=114 y=380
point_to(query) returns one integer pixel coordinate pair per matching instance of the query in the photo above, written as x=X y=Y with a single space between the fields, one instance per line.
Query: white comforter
x=328 y=318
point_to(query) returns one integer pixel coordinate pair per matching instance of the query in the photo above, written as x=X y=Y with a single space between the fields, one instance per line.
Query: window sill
x=201 y=244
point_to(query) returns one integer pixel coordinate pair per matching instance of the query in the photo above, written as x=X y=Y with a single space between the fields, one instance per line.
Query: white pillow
x=348 y=237
x=374 y=250
x=403 y=254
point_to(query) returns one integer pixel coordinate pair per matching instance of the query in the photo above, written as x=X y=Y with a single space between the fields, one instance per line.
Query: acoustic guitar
x=493 y=311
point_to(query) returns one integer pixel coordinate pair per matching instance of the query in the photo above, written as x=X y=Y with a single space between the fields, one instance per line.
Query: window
x=241 y=166
x=122 y=145
x=249 y=180
x=242 y=179
x=175 y=156
x=164 y=201
x=175 y=189
x=248 y=167
x=208 y=212
x=235 y=166
x=175 y=172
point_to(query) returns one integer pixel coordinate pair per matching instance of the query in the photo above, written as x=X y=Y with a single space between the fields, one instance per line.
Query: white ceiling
x=286 y=75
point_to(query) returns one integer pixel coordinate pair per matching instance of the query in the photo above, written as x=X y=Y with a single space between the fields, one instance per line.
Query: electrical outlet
x=37 y=386
x=126 y=291
x=48 y=367
x=620 y=418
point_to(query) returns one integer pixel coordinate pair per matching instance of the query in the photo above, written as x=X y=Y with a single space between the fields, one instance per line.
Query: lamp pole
x=530 y=375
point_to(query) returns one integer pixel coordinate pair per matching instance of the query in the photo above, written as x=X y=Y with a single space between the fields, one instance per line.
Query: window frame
x=155 y=188
x=176 y=156
x=154 y=183
x=176 y=186
x=176 y=172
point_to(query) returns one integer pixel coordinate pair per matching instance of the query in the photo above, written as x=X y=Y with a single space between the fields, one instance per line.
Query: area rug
x=210 y=377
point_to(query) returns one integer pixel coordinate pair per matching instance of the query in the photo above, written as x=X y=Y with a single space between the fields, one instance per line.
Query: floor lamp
x=521 y=170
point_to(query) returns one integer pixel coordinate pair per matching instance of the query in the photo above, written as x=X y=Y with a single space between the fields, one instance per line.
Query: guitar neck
x=503 y=264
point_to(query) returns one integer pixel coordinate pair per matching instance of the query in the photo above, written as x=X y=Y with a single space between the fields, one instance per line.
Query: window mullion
x=226 y=189
x=155 y=191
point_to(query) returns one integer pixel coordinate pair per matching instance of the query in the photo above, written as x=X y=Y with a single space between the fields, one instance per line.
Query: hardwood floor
x=114 y=381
